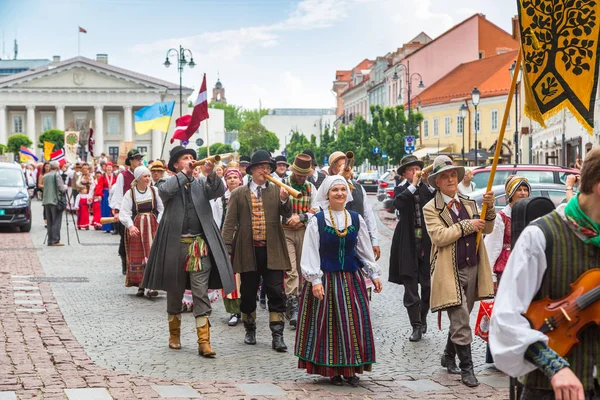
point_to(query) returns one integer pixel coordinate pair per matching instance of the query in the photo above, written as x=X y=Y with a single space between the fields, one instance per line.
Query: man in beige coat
x=254 y=236
x=460 y=275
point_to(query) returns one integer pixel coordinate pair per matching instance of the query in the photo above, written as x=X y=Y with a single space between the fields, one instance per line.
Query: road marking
x=31 y=310
x=26 y=294
x=25 y=288
x=37 y=302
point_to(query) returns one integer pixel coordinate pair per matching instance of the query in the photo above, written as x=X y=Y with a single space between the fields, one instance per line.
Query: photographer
x=572 y=180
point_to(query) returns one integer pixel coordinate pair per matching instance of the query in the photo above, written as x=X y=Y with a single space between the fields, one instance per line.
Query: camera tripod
x=67 y=212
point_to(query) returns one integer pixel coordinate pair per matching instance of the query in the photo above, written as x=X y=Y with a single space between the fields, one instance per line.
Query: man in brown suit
x=460 y=275
x=252 y=222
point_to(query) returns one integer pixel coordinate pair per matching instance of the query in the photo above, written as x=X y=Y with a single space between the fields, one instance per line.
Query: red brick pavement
x=39 y=356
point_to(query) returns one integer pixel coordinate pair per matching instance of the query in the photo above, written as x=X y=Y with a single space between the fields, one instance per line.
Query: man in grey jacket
x=188 y=250
x=53 y=188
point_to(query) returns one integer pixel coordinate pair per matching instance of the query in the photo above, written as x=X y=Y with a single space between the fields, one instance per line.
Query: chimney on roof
x=103 y=58
x=55 y=59
x=516 y=31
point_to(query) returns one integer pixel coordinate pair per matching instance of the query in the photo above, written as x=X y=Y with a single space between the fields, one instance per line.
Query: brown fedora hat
x=302 y=165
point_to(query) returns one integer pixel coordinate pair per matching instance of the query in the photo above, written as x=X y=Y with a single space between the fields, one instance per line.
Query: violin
x=563 y=319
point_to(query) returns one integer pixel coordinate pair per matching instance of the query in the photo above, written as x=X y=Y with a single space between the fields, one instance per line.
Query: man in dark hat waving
x=253 y=221
x=409 y=257
x=188 y=250
x=123 y=184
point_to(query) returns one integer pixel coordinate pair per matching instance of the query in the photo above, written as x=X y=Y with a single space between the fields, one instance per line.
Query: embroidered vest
x=567 y=258
x=505 y=252
x=259 y=222
x=299 y=206
x=338 y=254
x=146 y=206
x=466 y=253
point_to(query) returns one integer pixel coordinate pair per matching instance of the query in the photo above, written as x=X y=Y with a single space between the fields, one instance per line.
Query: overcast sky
x=282 y=52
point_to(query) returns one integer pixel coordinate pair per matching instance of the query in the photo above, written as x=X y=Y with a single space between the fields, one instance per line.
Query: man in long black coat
x=411 y=245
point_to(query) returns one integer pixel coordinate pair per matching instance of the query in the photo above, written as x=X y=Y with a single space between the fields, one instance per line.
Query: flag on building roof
x=560 y=45
x=27 y=154
x=58 y=155
x=82 y=30
x=48 y=147
x=157 y=116
x=199 y=114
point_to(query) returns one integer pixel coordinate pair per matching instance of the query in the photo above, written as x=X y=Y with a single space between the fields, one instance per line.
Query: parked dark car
x=15 y=204
x=555 y=192
x=386 y=182
x=369 y=180
x=535 y=173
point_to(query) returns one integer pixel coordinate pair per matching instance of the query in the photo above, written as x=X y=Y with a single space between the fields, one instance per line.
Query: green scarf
x=582 y=223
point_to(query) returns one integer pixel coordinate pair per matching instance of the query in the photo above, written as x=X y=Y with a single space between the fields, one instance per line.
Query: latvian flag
x=59 y=155
x=199 y=114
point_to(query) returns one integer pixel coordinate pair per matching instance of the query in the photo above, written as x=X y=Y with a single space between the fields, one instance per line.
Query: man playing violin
x=551 y=253
x=253 y=220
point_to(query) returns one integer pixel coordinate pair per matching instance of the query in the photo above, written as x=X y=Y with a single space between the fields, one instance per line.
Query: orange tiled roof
x=490 y=75
x=343 y=75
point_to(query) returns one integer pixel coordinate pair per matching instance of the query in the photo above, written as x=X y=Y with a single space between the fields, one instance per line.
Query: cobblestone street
x=68 y=322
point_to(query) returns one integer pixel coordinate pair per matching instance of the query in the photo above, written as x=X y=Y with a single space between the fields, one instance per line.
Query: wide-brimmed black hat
x=176 y=153
x=132 y=154
x=281 y=160
x=244 y=159
x=260 y=157
x=408 y=161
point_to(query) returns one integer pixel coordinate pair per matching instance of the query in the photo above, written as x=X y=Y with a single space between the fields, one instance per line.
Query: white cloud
x=423 y=12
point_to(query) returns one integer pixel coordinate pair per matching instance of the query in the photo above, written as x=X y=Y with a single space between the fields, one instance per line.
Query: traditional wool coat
x=241 y=242
x=404 y=261
x=444 y=234
x=163 y=266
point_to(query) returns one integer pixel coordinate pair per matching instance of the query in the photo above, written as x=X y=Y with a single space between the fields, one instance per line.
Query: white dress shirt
x=217 y=208
x=448 y=199
x=412 y=188
x=495 y=240
x=126 y=208
x=311 y=259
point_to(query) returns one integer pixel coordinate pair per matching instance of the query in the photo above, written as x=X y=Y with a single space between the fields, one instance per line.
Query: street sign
x=409 y=144
x=199 y=142
x=325 y=160
x=376 y=150
x=384 y=155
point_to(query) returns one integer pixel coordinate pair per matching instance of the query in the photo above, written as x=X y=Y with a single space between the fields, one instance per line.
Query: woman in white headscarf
x=334 y=337
x=140 y=213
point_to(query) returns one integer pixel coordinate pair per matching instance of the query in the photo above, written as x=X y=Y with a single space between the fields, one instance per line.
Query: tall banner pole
x=207 y=143
x=511 y=94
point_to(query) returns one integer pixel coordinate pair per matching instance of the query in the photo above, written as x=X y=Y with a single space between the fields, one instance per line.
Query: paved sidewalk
x=41 y=358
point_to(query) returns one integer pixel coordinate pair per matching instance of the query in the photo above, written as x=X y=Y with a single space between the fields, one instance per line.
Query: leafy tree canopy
x=55 y=136
x=16 y=141
x=254 y=136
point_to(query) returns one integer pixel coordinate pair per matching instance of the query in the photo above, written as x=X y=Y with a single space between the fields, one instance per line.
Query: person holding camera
x=53 y=187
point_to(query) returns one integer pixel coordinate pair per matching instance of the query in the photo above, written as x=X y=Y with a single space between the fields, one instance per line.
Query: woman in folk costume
x=82 y=206
x=106 y=182
x=96 y=200
x=140 y=213
x=232 y=301
x=334 y=336
x=498 y=242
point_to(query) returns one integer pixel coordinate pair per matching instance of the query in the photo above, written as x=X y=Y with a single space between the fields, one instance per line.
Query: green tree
x=215 y=148
x=55 y=136
x=325 y=146
x=16 y=141
x=349 y=139
x=298 y=143
x=233 y=116
x=254 y=136
x=391 y=125
x=254 y=115
x=3 y=149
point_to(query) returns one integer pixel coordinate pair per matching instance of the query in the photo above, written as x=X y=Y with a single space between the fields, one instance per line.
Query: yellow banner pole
x=511 y=93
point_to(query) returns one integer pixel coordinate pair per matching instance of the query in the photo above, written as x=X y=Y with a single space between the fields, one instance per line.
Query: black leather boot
x=467 y=374
x=449 y=358
x=424 y=312
x=277 y=332
x=293 y=311
x=414 y=315
x=124 y=265
x=250 y=326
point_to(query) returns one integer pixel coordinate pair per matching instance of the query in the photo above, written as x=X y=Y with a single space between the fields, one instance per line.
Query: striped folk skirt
x=334 y=335
x=138 y=248
x=232 y=301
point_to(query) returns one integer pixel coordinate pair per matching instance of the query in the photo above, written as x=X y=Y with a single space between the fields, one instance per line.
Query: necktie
x=456 y=203
x=259 y=192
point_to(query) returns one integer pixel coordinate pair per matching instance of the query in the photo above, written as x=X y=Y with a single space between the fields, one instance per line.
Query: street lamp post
x=463 y=114
x=181 y=62
x=409 y=79
x=475 y=97
x=512 y=69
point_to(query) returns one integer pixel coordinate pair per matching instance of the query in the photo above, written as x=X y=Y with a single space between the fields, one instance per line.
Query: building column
x=31 y=124
x=3 y=130
x=60 y=117
x=98 y=131
x=157 y=142
x=128 y=120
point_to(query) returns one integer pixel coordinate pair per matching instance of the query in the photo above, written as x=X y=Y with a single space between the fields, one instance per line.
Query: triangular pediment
x=84 y=74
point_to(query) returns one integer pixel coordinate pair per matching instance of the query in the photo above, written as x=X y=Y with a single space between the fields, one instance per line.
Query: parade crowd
x=302 y=242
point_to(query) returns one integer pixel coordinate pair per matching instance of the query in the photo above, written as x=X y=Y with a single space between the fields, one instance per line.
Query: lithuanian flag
x=560 y=44
x=157 y=116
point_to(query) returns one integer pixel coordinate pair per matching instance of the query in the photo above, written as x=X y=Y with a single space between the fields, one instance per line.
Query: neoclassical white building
x=78 y=90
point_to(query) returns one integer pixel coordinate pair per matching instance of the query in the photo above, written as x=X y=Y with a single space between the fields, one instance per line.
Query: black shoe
x=250 y=337
x=416 y=334
x=277 y=332
x=449 y=358
x=467 y=375
x=423 y=328
x=292 y=313
x=352 y=381
x=336 y=380
x=124 y=265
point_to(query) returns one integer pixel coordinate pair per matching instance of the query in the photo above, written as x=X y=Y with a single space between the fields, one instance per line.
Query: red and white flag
x=199 y=114
x=59 y=155
x=181 y=125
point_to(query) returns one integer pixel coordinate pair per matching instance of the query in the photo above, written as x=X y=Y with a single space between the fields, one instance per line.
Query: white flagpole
x=78 y=41
x=207 y=143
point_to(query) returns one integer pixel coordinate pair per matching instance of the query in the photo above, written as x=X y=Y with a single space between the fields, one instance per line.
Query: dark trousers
x=418 y=306
x=121 y=229
x=54 y=218
x=272 y=282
